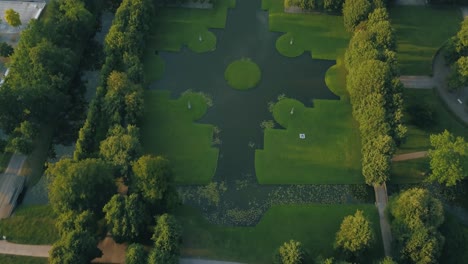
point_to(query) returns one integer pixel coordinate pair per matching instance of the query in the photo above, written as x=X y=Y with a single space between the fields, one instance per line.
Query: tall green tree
x=5 y=49
x=126 y=217
x=167 y=238
x=448 y=159
x=290 y=252
x=355 y=234
x=80 y=185
x=70 y=221
x=76 y=247
x=12 y=18
x=354 y=12
x=135 y=254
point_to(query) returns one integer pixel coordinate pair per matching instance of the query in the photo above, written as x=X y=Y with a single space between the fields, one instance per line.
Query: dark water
x=239 y=113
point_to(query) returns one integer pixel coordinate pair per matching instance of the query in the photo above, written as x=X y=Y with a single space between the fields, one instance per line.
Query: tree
x=80 y=185
x=387 y=260
x=458 y=78
x=5 y=49
x=415 y=208
x=121 y=147
x=355 y=234
x=135 y=254
x=290 y=253
x=333 y=5
x=354 y=12
x=76 y=247
x=21 y=140
x=126 y=217
x=448 y=159
x=152 y=178
x=423 y=246
x=167 y=238
x=12 y=18
x=70 y=221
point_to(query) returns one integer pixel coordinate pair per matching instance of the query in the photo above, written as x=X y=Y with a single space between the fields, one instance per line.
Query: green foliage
x=80 y=185
x=22 y=138
x=126 y=217
x=12 y=18
x=355 y=12
x=387 y=260
x=135 y=254
x=448 y=159
x=5 y=49
x=152 y=178
x=355 y=235
x=333 y=5
x=167 y=238
x=76 y=247
x=458 y=78
x=121 y=147
x=423 y=246
x=290 y=253
x=76 y=221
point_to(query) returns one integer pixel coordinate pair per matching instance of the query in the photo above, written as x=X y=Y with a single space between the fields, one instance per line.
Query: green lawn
x=456 y=241
x=21 y=260
x=313 y=225
x=170 y=130
x=176 y=27
x=30 y=225
x=321 y=34
x=417 y=138
x=421 y=31
x=412 y=171
x=243 y=74
x=330 y=153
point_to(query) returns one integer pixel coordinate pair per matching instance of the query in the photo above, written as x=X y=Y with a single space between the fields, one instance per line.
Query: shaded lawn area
x=331 y=151
x=4 y=160
x=412 y=171
x=322 y=34
x=176 y=27
x=22 y=260
x=421 y=31
x=417 y=138
x=170 y=130
x=456 y=240
x=313 y=225
x=30 y=225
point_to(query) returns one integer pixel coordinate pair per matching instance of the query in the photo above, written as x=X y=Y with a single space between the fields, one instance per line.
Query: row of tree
x=327 y=5
x=109 y=157
x=416 y=217
x=41 y=84
x=373 y=85
x=456 y=54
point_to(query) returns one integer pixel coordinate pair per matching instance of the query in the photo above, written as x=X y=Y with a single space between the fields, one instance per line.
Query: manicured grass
x=243 y=74
x=153 y=66
x=176 y=27
x=22 y=260
x=420 y=32
x=313 y=225
x=417 y=138
x=30 y=225
x=321 y=34
x=170 y=130
x=412 y=171
x=456 y=240
x=330 y=153
x=409 y=171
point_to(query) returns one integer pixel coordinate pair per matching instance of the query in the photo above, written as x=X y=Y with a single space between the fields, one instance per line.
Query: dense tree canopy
x=135 y=254
x=79 y=186
x=76 y=247
x=355 y=12
x=5 y=49
x=355 y=234
x=166 y=237
x=448 y=159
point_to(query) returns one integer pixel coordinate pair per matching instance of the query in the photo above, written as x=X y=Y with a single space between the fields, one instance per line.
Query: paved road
x=11 y=185
x=410 y=156
x=418 y=82
x=24 y=250
x=381 y=200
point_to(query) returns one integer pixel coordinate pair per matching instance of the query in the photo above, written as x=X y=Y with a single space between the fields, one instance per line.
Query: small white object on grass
x=200 y=38
x=302 y=136
x=189 y=105
x=459 y=101
x=4 y=237
x=292 y=111
x=291 y=42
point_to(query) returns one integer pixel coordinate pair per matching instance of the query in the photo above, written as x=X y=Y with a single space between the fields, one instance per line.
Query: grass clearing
x=243 y=74
x=421 y=31
x=323 y=35
x=170 y=130
x=313 y=225
x=10 y=259
x=330 y=153
x=30 y=225
x=177 y=27
x=409 y=171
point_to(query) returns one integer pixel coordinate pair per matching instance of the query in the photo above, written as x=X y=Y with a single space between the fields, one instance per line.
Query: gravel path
x=411 y=2
x=381 y=200
x=418 y=82
x=410 y=156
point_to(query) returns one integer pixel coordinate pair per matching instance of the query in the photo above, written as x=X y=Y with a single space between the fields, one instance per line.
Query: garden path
x=381 y=200
x=410 y=156
x=411 y=2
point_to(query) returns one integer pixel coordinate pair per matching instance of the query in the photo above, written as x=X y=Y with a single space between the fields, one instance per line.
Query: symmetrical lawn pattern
x=421 y=31
x=243 y=74
x=170 y=130
x=314 y=225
